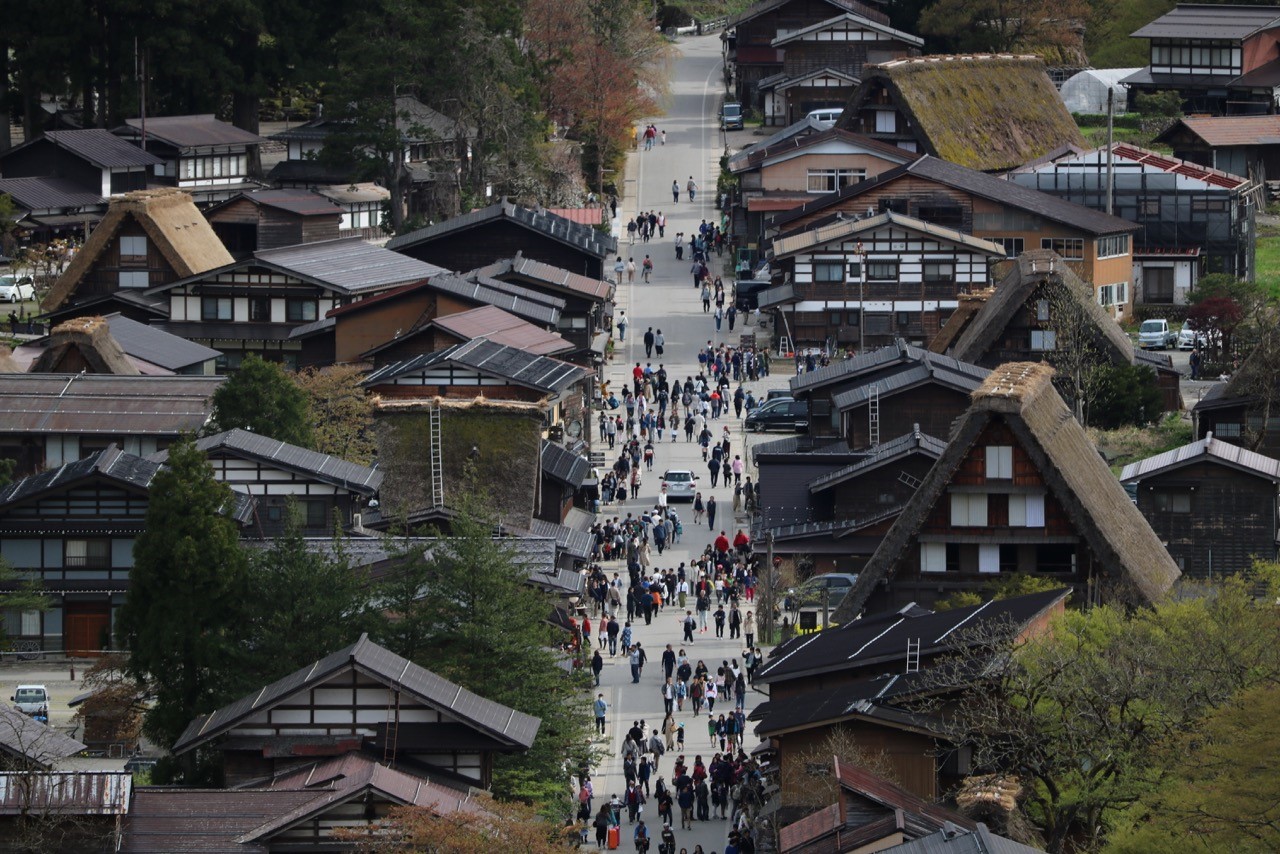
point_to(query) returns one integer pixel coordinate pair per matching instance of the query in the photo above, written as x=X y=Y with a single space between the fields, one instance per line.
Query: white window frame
x=933 y=557
x=134 y=279
x=1044 y=340
x=886 y=121
x=968 y=509
x=133 y=246
x=1026 y=511
x=1106 y=295
x=1113 y=246
x=989 y=558
x=822 y=181
x=999 y=462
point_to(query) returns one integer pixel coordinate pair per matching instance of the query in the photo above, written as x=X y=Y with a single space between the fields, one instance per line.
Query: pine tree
x=182 y=624
x=263 y=399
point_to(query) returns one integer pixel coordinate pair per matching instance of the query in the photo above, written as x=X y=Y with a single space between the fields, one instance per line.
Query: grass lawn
x=1268 y=259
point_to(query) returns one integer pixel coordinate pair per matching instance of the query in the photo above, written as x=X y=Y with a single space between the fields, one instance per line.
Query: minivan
x=783 y=413
x=827 y=114
x=31 y=700
x=731 y=116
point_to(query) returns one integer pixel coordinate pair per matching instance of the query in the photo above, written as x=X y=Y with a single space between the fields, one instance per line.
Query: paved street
x=670 y=303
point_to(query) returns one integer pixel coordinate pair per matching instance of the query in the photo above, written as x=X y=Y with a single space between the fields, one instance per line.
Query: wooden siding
x=911 y=758
x=1230 y=518
x=478 y=246
x=275 y=486
x=360 y=331
x=103 y=277
x=932 y=406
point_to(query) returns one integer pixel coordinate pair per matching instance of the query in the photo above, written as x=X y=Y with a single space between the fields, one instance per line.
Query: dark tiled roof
x=38 y=194
x=540 y=373
x=27 y=739
x=1208 y=449
x=560 y=279
x=979 y=184
x=565 y=466
x=111 y=463
x=323 y=467
x=961 y=376
x=203 y=821
x=100 y=147
x=103 y=404
x=350 y=265
x=574 y=543
x=888 y=452
x=881 y=639
x=582 y=237
x=1209 y=21
x=496 y=720
x=848 y=371
x=300 y=202
x=191 y=131
x=833 y=704
x=157 y=346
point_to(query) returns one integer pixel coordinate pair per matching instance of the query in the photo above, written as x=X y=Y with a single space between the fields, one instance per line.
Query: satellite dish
x=574 y=429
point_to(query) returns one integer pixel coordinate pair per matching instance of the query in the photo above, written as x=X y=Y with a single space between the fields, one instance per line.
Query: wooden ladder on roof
x=437 y=458
x=873 y=416
x=913 y=655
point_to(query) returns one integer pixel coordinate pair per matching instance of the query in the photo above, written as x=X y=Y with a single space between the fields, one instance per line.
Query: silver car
x=680 y=483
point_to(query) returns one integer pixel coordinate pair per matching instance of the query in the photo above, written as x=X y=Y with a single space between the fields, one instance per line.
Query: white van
x=827 y=114
x=31 y=700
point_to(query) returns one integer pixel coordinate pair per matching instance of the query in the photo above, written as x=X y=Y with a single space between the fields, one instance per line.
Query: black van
x=782 y=413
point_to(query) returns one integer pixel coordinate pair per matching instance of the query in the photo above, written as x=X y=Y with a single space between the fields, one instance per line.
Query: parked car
x=832 y=585
x=17 y=289
x=1155 y=334
x=746 y=293
x=783 y=413
x=731 y=116
x=31 y=700
x=1189 y=339
x=681 y=484
x=826 y=114
x=775 y=393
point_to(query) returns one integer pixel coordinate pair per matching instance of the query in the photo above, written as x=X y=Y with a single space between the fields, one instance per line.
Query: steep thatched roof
x=1133 y=563
x=968 y=308
x=7 y=365
x=170 y=219
x=988 y=112
x=90 y=339
x=1030 y=272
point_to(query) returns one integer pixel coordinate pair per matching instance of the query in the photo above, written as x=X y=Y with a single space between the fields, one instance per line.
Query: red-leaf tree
x=1217 y=317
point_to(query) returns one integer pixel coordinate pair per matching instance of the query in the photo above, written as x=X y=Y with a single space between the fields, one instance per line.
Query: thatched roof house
x=1020 y=489
x=989 y=112
x=160 y=232
x=84 y=344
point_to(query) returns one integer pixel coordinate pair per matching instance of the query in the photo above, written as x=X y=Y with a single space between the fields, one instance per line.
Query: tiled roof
x=157 y=346
x=39 y=194
x=1226 y=131
x=349 y=264
x=1208 y=449
x=1209 y=21
x=504 y=724
x=501 y=327
x=324 y=467
x=300 y=202
x=540 y=373
x=583 y=237
x=847 y=228
x=98 y=146
x=562 y=464
x=887 y=452
x=203 y=821
x=847 y=371
x=596 y=289
x=111 y=463
x=197 y=131
x=807 y=133
x=575 y=543
x=105 y=405
x=27 y=739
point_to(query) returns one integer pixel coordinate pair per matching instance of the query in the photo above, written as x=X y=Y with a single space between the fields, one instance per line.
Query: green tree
x=1222 y=788
x=27 y=593
x=263 y=399
x=339 y=412
x=183 y=622
x=1123 y=395
x=486 y=629
x=1003 y=587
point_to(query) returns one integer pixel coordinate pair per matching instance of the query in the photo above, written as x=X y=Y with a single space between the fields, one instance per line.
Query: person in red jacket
x=740 y=542
x=722 y=547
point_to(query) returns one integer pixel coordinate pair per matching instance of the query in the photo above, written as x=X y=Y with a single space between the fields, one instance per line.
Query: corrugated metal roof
x=848 y=370
x=967 y=378
x=1209 y=21
x=157 y=346
x=501 y=722
x=586 y=238
x=27 y=738
x=207 y=821
x=65 y=793
x=324 y=467
x=104 y=404
x=1225 y=131
x=349 y=265
x=1210 y=449
x=540 y=373
x=44 y=194
x=596 y=289
x=956 y=840
x=564 y=465
x=300 y=202
x=849 y=227
x=100 y=147
x=191 y=131
x=501 y=327
x=1165 y=163
x=575 y=543
x=892 y=450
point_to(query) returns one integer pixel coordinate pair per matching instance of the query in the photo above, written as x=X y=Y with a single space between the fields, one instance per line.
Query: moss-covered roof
x=989 y=112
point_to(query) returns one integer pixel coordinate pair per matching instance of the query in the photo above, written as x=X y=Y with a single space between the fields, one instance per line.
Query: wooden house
x=48 y=208
x=360 y=328
x=563 y=474
x=912 y=388
x=78 y=345
x=71 y=810
x=253 y=305
x=329 y=492
x=474 y=239
x=28 y=747
x=270 y=219
x=1191 y=219
x=870 y=814
x=1222 y=60
x=1097 y=246
x=588 y=302
x=858 y=676
x=804 y=160
x=867 y=282
x=775 y=40
x=1238 y=410
x=487 y=321
x=73 y=528
x=362 y=697
x=204 y=157
x=94 y=159
x=1213 y=504
x=1015 y=323
x=147 y=239
x=296 y=811
x=1020 y=488
x=988 y=112
x=1248 y=146
x=48 y=420
x=835 y=520
x=362 y=205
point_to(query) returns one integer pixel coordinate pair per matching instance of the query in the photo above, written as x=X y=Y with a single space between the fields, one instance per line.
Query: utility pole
x=1111 y=156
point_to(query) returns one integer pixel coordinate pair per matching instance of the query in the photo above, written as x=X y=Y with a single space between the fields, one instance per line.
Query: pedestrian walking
x=711 y=512
x=675 y=191
x=646 y=267
x=619 y=267
x=631 y=271
x=692 y=187
x=659 y=342
x=601 y=709
x=621 y=323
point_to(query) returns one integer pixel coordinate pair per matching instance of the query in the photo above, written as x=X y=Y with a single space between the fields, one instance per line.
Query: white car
x=1189 y=339
x=14 y=289
x=680 y=484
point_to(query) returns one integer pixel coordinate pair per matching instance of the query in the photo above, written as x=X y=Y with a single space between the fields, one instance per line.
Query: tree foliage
x=1078 y=713
x=261 y=398
x=503 y=826
x=339 y=412
x=1002 y=26
x=1004 y=586
x=183 y=621
x=1125 y=394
